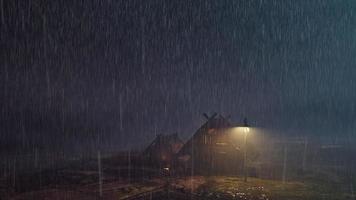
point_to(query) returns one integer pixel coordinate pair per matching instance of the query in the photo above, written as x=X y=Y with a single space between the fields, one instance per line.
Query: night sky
x=116 y=73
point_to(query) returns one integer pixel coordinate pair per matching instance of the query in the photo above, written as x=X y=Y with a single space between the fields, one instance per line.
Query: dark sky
x=118 y=72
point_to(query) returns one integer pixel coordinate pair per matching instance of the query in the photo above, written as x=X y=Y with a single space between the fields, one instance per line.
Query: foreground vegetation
x=236 y=188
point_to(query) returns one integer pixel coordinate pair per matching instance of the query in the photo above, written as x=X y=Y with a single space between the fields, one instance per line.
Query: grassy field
x=269 y=189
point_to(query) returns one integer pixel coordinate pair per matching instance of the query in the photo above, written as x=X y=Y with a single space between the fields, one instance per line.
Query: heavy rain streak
x=178 y=99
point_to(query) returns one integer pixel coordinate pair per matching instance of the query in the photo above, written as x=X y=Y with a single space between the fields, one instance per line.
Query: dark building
x=213 y=149
x=161 y=152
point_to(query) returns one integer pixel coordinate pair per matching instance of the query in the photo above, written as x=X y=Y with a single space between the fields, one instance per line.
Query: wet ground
x=198 y=187
x=188 y=189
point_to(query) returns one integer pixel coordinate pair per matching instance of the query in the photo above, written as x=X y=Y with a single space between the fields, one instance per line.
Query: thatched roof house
x=212 y=149
x=162 y=150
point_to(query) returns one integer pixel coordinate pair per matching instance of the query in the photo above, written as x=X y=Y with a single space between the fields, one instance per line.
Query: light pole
x=246 y=129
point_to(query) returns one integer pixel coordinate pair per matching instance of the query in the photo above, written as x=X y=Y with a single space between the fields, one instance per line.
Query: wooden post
x=285 y=164
x=305 y=154
x=100 y=175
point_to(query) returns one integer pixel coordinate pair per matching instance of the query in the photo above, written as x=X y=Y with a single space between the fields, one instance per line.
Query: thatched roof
x=168 y=143
x=216 y=123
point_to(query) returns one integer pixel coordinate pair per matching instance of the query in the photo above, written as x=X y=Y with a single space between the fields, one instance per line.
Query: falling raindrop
x=3 y=24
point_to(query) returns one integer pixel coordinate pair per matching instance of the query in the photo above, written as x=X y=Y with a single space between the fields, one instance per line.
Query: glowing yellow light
x=246 y=129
